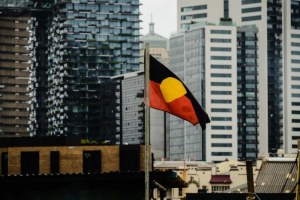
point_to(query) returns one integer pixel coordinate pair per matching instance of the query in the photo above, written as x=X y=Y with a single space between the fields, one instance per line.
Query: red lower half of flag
x=181 y=107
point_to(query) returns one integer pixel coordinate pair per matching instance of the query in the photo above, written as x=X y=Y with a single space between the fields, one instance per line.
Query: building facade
x=247 y=87
x=132 y=115
x=278 y=29
x=204 y=57
x=73 y=49
x=14 y=69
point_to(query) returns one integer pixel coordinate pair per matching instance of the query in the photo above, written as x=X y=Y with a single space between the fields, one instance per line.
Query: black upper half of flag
x=159 y=72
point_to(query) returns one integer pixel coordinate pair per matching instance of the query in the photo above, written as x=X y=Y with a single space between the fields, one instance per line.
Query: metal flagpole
x=147 y=122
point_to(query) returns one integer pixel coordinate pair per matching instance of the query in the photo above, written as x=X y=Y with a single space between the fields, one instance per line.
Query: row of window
x=221 y=153
x=221 y=118
x=219 y=188
x=220 y=57
x=295 y=52
x=226 y=84
x=227 y=32
x=295 y=35
x=193 y=8
x=244 y=2
x=195 y=16
x=250 y=10
x=220 y=49
x=252 y=18
x=217 y=66
x=221 y=101
x=220 y=40
x=221 y=127
x=221 y=92
x=222 y=136
x=221 y=110
x=220 y=75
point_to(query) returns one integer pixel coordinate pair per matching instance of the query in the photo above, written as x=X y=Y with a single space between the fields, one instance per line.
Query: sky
x=163 y=15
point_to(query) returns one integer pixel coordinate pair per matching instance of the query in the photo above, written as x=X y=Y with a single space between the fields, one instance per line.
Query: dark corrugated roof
x=275 y=177
x=218 y=179
x=167 y=179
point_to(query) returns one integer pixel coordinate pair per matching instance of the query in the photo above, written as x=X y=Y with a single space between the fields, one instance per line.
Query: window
x=249 y=10
x=250 y=1
x=221 y=118
x=221 y=127
x=295 y=69
x=222 y=101
x=221 y=136
x=220 y=31
x=4 y=163
x=220 y=49
x=295 y=129
x=221 y=92
x=295 y=78
x=295 y=52
x=221 y=145
x=91 y=161
x=295 y=61
x=220 y=66
x=220 y=83
x=296 y=120
x=219 y=75
x=54 y=162
x=221 y=153
x=195 y=16
x=218 y=40
x=222 y=110
x=220 y=57
x=219 y=188
x=295 y=95
x=252 y=18
x=295 y=137
x=192 y=8
x=30 y=162
x=295 y=44
x=129 y=158
x=295 y=35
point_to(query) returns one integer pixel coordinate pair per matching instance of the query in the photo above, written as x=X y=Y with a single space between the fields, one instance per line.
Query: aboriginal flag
x=168 y=93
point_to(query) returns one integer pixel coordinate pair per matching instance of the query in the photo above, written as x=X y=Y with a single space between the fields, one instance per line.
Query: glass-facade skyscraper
x=75 y=46
x=247 y=87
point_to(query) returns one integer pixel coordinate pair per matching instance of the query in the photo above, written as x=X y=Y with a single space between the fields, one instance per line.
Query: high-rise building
x=247 y=91
x=278 y=37
x=87 y=43
x=14 y=65
x=132 y=100
x=205 y=58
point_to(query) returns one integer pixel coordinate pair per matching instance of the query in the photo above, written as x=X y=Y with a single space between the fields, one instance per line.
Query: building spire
x=151 y=26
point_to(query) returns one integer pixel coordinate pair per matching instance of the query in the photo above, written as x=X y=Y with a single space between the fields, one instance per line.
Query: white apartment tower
x=278 y=23
x=205 y=58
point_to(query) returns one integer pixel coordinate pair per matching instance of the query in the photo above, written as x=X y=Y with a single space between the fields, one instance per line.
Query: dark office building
x=247 y=93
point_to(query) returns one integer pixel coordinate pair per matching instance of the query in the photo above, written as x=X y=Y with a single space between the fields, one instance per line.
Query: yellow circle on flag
x=171 y=89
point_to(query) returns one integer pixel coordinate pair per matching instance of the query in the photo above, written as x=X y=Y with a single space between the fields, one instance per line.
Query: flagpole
x=147 y=122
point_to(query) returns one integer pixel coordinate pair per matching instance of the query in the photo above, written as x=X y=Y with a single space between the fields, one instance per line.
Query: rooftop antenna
x=151 y=26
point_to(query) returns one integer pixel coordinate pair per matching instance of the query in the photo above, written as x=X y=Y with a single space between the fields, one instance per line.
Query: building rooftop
x=181 y=164
x=220 y=179
x=277 y=176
